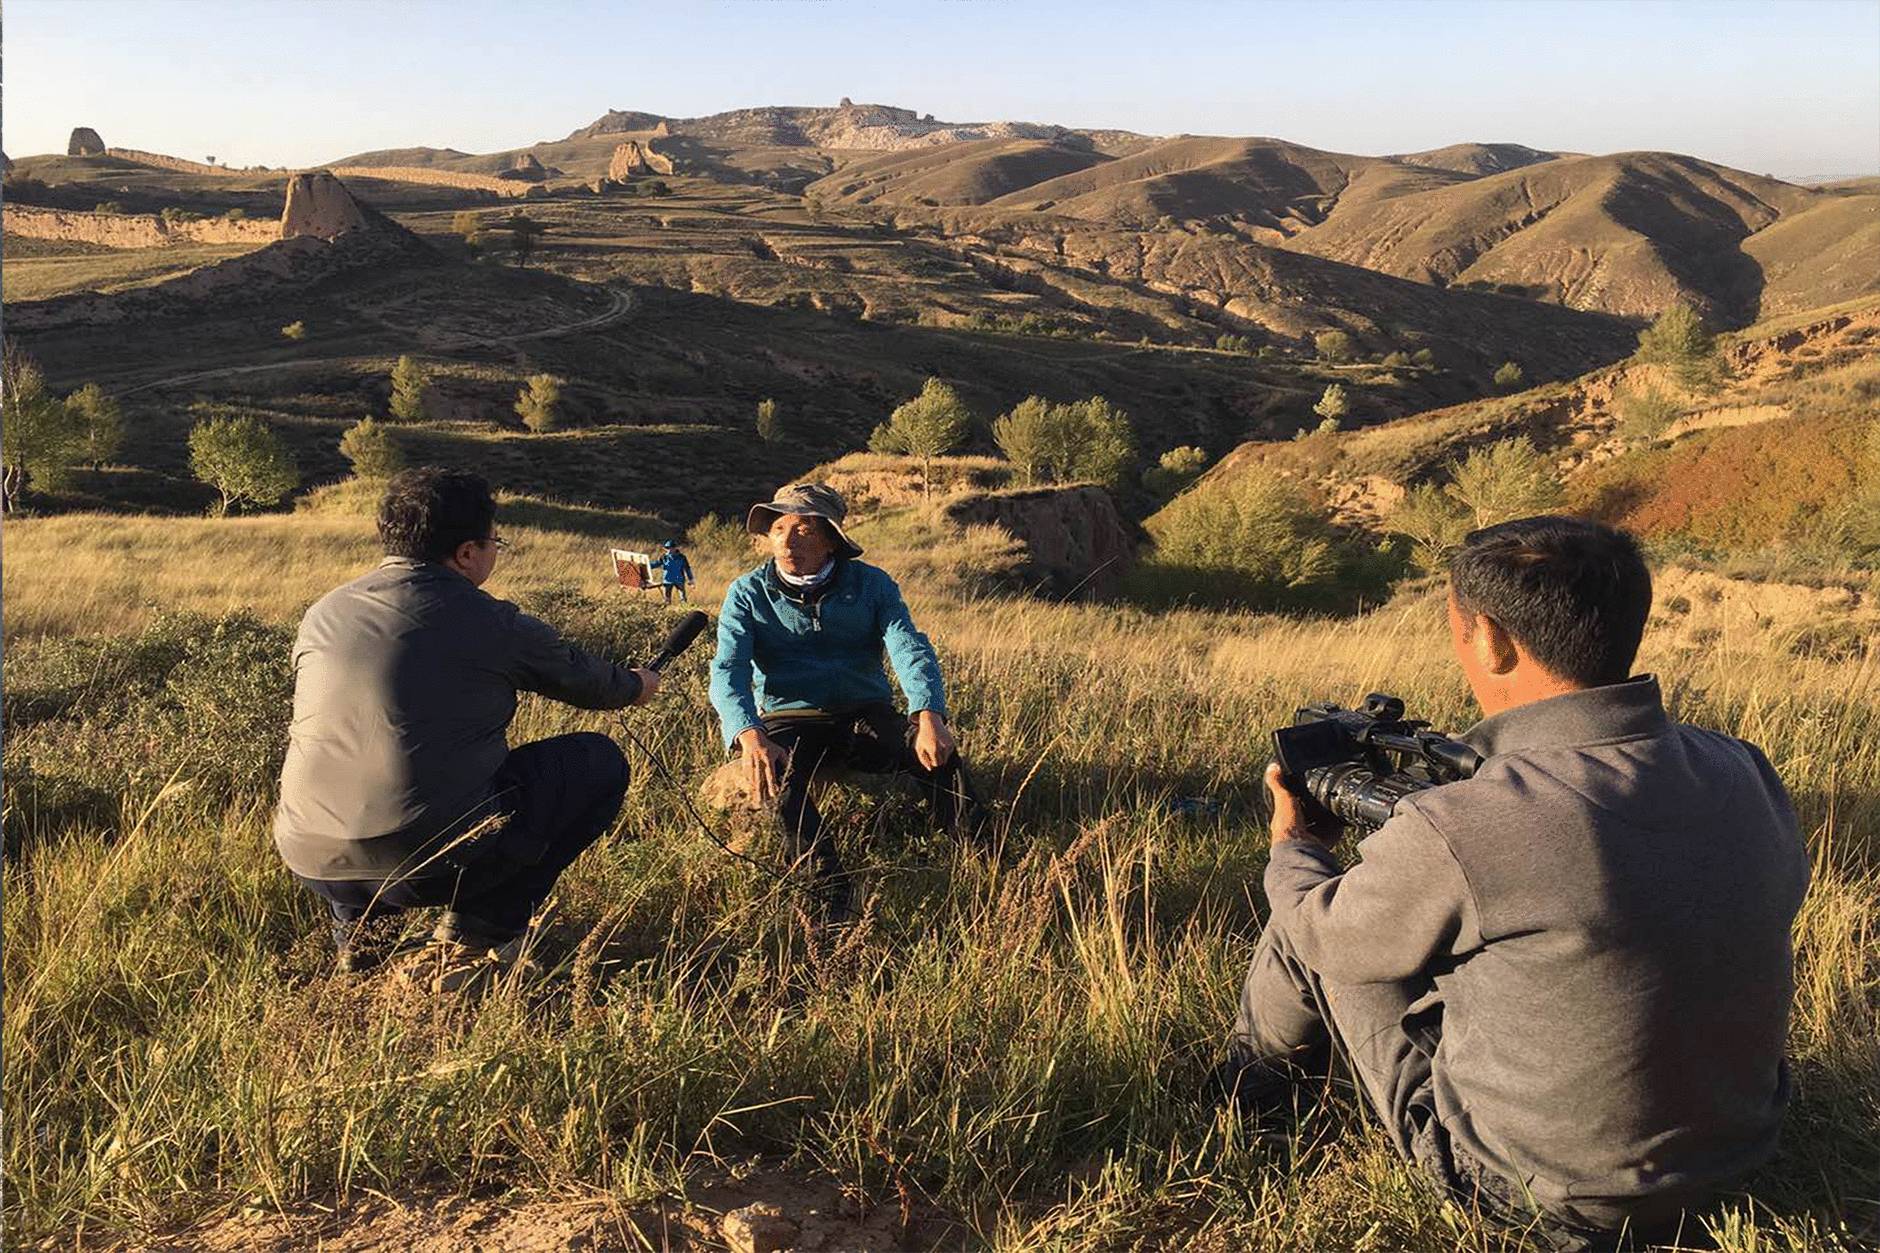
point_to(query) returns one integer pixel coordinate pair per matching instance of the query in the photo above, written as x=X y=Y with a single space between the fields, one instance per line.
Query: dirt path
x=620 y=303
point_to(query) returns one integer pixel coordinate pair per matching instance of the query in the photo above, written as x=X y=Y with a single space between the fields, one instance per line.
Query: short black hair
x=1574 y=593
x=428 y=511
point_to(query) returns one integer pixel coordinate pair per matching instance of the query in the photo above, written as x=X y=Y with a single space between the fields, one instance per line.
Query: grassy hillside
x=1004 y=1055
x=1743 y=464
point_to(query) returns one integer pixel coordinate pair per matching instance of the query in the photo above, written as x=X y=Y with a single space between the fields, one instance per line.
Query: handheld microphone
x=680 y=639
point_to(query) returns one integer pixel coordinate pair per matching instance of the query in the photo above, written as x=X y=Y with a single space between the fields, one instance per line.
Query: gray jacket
x=405 y=680
x=1600 y=922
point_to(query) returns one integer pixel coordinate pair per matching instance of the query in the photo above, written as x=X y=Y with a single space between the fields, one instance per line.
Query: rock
x=759 y=1227
x=525 y=168
x=627 y=161
x=318 y=205
x=6 y=164
x=84 y=143
x=1076 y=542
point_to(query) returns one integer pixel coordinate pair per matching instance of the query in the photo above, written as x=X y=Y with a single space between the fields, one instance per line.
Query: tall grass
x=1020 y=1039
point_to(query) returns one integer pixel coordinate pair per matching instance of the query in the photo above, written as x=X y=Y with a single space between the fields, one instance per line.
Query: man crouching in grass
x=400 y=789
x=1563 y=985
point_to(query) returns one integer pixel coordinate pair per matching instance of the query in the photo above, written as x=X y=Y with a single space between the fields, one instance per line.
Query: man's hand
x=933 y=740
x=1289 y=820
x=764 y=764
x=649 y=683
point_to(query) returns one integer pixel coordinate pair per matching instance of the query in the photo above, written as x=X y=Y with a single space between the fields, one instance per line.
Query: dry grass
x=106 y=270
x=1018 y=1043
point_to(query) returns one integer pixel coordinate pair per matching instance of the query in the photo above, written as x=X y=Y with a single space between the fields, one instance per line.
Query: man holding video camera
x=1562 y=984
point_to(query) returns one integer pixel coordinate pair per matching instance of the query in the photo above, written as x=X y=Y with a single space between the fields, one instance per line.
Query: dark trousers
x=1385 y=1036
x=556 y=796
x=667 y=589
x=872 y=739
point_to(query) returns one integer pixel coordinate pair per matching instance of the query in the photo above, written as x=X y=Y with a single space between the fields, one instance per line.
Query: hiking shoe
x=452 y=967
x=364 y=946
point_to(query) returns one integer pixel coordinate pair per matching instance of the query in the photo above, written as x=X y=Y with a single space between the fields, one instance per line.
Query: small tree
x=1232 y=343
x=295 y=331
x=1433 y=521
x=464 y=223
x=1091 y=439
x=41 y=439
x=1645 y=414
x=243 y=460
x=369 y=446
x=1333 y=405
x=98 y=422
x=769 y=422
x=1509 y=376
x=1506 y=480
x=536 y=403
x=1679 y=341
x=1334 y=346
x=1396 y=360
x=523 y=232
x=1423 y=357
x=1023 y=436
x=927 y=426
x=409 y=382
x=1174 y=470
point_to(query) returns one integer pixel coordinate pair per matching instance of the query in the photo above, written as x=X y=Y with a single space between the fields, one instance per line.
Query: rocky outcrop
x=437 y=178
x=6 y=164
x=133 y=230
x=524 y=169
x=1076 y=542
x=633 y=157
x=84 y=143
x=319 y=205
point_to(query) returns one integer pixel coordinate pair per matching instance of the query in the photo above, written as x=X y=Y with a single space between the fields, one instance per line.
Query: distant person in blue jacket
x=799 y=686
x=675 y=572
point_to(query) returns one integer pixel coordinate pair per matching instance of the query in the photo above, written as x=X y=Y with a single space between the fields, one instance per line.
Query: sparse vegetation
x=1506 y=480
x=294 y=331
x=42 y=437
x=1174 y=470
x=410 y=380
x=368 y=445
x=244 y=460
x=1334 y=346
x=1679 y=341
x=769 y=421
x=1433 y=523
x=1644 y=414
x=538 y=403
x=1510 y=376
x=1333 y=404
x=99 y=423
x=1233 y=343
x=466 y=225
x=931 y=424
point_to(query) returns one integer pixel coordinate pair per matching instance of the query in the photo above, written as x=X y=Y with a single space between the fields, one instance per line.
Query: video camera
x=1352 y=766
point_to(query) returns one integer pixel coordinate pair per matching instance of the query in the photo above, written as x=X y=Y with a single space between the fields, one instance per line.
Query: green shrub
x=295 y=331
x=1232 y=343
x=1397 y=360
x=1332 y=405
x=1645 y=414
x=409 y=383
x=1510 y=377
x=1334 y=346
x=537 y=404
x=1258 y=541
x=244 y=460
x=369 y=446
x=1679 y=341
x=1174 y=470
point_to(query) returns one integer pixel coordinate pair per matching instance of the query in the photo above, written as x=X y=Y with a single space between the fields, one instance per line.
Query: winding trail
x=620 y=303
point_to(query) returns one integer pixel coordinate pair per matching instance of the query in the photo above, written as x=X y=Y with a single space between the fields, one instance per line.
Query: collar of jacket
x=419 y=565
x=1594 y=715
x=804 y=595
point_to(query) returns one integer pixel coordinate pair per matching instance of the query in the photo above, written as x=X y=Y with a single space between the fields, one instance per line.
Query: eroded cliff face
x=134 y=230
x=440 y=178
x=1077 y=544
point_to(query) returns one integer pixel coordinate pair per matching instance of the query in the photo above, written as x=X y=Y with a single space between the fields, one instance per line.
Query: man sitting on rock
x=400 y=788
x=1563 y=984
x=799 y=687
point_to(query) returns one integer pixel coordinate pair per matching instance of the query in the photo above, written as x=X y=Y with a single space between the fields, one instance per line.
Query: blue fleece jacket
x=778 y=651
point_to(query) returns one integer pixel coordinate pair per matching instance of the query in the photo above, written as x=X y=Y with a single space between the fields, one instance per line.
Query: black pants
x=667 y=589
x=873 y=739
x=557 y=796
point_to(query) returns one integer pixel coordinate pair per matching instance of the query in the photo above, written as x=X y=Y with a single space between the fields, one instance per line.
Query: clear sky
x=1788 y=87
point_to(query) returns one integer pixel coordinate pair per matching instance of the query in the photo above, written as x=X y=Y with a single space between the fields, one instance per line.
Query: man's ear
x=1493 y=647
x=463 y=555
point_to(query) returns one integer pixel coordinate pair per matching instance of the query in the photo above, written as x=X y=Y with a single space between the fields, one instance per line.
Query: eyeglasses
x=502 y=545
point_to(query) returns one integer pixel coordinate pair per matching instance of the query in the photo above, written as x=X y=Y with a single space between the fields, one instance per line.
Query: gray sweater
x=1601 y=919
x=405 y=680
